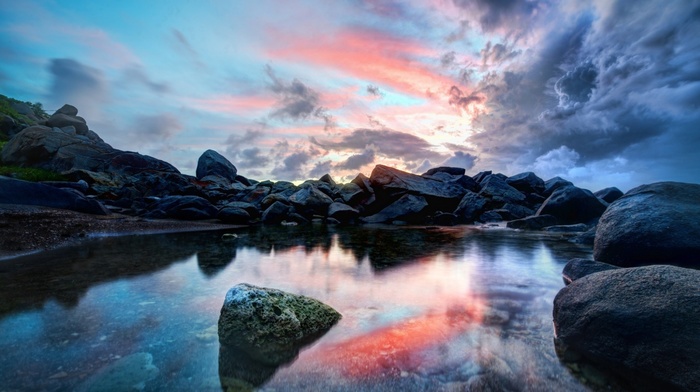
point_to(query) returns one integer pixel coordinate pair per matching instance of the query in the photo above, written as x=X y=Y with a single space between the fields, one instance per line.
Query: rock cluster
x=140 y=185
x=641 y=321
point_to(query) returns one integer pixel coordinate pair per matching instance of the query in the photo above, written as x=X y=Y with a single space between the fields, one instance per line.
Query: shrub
x=31 y=174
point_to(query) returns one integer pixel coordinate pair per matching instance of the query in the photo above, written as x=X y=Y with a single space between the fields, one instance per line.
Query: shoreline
x=26 y=229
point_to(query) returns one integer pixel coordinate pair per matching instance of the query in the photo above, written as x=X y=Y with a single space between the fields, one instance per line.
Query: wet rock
x=211 y=163
x=490 y=216
x=276 y=213
x=642 y=323
x=470 y=207
x=578 y=268
x=570 y=204
x=518 y=211
x=465 y=182
x=342 y=212
x=609 y=195
x=479 y=177
x=233 y=215
x=445 y=219
x=410 y=208
x=351 y=193
x=13 y=191
x=652 y=224
x=270 y=325
x=311 y=201
x=537 y=222
x=527 y=182
x=496 y=188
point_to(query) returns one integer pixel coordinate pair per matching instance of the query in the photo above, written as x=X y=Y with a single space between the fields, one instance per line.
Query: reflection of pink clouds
x=370 y=55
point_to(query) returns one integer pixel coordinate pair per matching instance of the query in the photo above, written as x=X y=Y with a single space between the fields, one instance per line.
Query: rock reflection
x=215 y=256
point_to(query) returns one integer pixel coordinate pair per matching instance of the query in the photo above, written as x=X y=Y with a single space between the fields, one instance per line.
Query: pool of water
x=423 y=309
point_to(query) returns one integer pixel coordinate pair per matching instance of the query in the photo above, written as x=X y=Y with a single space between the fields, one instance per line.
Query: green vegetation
x=31 y=174
x=36 y=107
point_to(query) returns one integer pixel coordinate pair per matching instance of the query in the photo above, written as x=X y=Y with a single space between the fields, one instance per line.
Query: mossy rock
x=272 y=325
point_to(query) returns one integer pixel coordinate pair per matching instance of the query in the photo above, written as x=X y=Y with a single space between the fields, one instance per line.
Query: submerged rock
x=652 y=224
x=125 y=374
x=271 y=325
x=641 y=323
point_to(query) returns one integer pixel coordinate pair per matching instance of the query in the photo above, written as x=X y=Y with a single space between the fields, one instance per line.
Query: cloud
x=252 y=157
x=556 y=162
x=356 y=161
x=77 y=84
x=321 y=168
x=156 y=128
x=505 y=15
x=495 y=54
x=464 y=101
x=460 y=159
x=242 y=150
x=137 y=75
x=291 y=167
x=389 y=143
x=374 y=90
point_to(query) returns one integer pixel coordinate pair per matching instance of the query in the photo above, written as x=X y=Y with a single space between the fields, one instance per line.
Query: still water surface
x=423 y=309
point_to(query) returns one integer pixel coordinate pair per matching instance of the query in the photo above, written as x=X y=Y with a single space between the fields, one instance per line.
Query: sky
x=602 y=93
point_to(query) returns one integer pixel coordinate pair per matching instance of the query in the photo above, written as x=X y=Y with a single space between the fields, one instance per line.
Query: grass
x=6 y=108
x=31 y=174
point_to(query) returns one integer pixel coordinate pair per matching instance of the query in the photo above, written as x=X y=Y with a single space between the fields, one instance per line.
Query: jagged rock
x=641 y=323
x=570 y=204
x=652 y=224
x=233 y=215
x=537 y=222
x=470 y=207
x=342 y=212
x=517 y=211
x=327 y=179
x=465 y=182
x=363 y=182
x=60 y=120
x=481 y=176
x=276 y=213
x=609 y=195
x=526 y=183
x=392 y=183
x=271 y=325
x=13 y=191
x=351 y=193
x=553 y=184
x=182 y=207
x=309 y=200
x=410 y=208
x=576 y=269
x=496 y=189
x=454 y=171
x=211 y=163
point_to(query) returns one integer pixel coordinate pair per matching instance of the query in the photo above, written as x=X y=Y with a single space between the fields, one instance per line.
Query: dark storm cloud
x=77 y=84
x=464 y=101
x=291 y=167
x=388 y=142
x=494 y=54
x=460 y=159
x=495 y=14
x=156 y=127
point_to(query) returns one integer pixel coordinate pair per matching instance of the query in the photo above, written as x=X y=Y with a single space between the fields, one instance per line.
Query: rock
x=393 y=183
x=470 y=207
x=80 y=185
x=570 y=204
x=342 y=212
x=479 y=177
x=271 y=325
x=276 y=213
x=454 y=171
x=553 y=184
x=465 y=182
x=641 y=323
x=490 y=216
x=182 y=207
x=233 y=215
x=327 y=179
x=532 y=222
x=7 y=124
x=496 y=189
x=252 y=210
x=585 y=238
x=212 y=163
x=410 y=208
x=363 y=182
x=309 y=200
x=577 y=228
x=518 y=211
x=60 y=120
x=13 y=191
x=609 y=195
x=68 y=110
x=652 y=224
x=526 y=183
x=445 y=219
x=351 y=193
x=576 y=269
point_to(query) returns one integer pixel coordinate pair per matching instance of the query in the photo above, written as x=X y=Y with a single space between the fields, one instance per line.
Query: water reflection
x=434 y=309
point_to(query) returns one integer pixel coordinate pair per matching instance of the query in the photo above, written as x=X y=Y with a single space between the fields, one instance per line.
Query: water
x=423 y=309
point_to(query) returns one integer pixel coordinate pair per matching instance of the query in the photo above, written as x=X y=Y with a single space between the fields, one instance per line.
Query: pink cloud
x=368 y=54
x=232 y=104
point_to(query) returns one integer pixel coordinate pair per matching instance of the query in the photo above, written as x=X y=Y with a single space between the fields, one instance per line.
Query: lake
x=423 y=309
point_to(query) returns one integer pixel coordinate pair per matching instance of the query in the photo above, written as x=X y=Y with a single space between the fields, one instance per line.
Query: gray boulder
x=13 y=191
x=495 y=188
x=576 y=269
x=641 y=323
x=409 y=208
x=393 y=183
x=211 y=163
x=570 y=204
x=609 y=195
x=68 y=110
x=470 y=207
x=327 y=179
x=526 y=183
x=465 y=182
x=309 y=200
x=652 y=224
x=60 y=120
x=553 y=184
x=537 y=222
x=271 y=325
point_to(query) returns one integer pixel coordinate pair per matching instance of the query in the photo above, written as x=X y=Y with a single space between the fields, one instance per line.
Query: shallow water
x=423 y=309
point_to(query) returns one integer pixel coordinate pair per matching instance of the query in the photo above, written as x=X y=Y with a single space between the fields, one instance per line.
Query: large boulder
x=276 y=213
x=410 y=208
x=271 y=325
x=576 y=269
x=470 y=207
x=211 y=163
x=527 y=182
x=309 y=200
x=13 y=191
x=497 y=189
x=641 y=323
x=393 y=183
x=553 y=184
x=652 y=224
x=60 y=120
x=570 y=204
x=609 y=195
x=342 y=212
